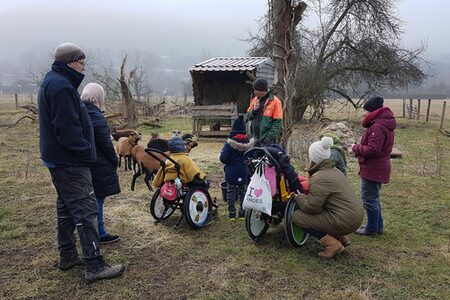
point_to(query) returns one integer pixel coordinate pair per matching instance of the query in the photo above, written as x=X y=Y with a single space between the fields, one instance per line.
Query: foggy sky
x=174 y=26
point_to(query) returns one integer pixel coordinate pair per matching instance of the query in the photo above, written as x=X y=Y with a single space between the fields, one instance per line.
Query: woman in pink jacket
x=373 y=154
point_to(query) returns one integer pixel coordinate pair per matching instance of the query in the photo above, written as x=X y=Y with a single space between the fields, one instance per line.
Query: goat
x=189 y=142
x=145 y=164
x=125 y=146
x=117 y=134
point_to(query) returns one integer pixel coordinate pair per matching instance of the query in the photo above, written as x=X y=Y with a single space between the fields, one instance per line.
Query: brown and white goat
x=124 y=148
x=118 y=133
x=143 y=163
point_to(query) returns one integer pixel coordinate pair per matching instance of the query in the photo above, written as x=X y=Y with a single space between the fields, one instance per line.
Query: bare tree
x=139 y=81
x=127 y=97
x=354 y=51
x=286 y=15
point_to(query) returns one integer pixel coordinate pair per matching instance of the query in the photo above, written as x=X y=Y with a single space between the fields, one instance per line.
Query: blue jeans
x=235 y=192
x=101 y=226
x=370 y=195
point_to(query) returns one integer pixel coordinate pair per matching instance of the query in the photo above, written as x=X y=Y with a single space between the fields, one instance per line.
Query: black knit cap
x=238 y=126
x=373 y=103
x=261 y=85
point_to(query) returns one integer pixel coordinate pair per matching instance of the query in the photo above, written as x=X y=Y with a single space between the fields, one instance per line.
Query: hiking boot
x=106 y=273
x=66 y=265
x=332 y=246
x=108 y=239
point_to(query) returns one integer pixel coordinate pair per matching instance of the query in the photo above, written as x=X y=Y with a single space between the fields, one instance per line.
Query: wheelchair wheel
x=256 y=224
x=197 y=206
x=295 y=235
x=157 y=207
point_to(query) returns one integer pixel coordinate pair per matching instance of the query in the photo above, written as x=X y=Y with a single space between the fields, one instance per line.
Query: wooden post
x=404 y=108
x=410 y=108
x=443 y=115
x=16 y=98
x=428 y=110
x=418 y=109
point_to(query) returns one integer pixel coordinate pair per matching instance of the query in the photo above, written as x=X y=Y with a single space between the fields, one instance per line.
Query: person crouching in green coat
x=331 y=209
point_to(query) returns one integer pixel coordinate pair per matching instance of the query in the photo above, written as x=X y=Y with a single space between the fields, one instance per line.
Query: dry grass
x=410 y=261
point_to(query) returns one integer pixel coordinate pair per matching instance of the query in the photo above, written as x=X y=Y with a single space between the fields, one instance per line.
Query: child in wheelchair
x=189 y=173
x=181 y=185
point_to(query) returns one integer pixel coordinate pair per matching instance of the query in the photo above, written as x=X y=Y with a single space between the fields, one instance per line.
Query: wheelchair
x=283 y=201
x=193 y=201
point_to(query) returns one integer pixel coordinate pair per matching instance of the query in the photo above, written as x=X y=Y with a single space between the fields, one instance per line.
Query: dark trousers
x=76 y=207
x=235 y=192
x=315 y=233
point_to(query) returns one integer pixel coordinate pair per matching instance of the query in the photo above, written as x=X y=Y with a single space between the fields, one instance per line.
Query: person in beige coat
x=331 y=209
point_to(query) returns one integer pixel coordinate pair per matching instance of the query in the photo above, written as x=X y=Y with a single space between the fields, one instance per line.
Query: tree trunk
x=286 y=16
x=127 y=97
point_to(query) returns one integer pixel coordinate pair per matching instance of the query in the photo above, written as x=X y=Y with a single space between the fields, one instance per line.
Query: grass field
x=410 y=261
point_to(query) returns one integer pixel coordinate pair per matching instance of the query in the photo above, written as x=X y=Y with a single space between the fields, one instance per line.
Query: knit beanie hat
x=261 y=85
x=68 y=52
x=94 y=93
x=373 y=103
x=176 y=145
x=238 y=126
x=320 y=150
x=336 y=139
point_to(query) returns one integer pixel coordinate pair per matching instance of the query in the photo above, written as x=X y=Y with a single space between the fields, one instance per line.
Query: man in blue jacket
x=68 y=149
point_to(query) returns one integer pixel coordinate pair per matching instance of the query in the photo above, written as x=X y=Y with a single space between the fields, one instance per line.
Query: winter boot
x=69 y=264
x=106 y=273
x=332 y=246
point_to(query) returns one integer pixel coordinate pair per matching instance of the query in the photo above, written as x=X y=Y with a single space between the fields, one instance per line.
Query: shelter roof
x=231 y=64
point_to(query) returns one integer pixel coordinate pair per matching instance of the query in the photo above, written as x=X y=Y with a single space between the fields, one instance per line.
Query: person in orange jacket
x=266 y=113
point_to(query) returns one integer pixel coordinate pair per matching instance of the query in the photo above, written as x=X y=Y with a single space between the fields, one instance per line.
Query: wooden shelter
x=222 y=89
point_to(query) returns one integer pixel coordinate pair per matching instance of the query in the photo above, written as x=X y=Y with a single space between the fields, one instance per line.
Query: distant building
x=224 y=80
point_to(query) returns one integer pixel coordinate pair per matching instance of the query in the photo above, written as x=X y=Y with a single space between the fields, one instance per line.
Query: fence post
x=418 y=109
x=16 y=99
x=428 y=110
x=410 y=108
x=404 y=108
x=443 y=115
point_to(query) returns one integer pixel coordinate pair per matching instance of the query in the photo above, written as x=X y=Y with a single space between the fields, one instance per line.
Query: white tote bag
x=258 y=196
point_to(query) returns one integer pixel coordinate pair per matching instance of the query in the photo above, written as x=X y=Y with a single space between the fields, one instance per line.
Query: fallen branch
x=17 y=122
x=30 y=108
x=150 y=124
x=444 y=132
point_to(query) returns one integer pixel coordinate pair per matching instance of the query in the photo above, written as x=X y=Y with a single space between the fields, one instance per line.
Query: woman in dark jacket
x=373 y=154
x=103 y=170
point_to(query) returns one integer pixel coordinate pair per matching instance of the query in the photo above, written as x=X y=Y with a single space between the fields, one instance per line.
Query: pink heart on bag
x=258 y=192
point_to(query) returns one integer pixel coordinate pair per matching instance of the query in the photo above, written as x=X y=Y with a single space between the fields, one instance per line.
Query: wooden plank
x=213 y=107
x=214 y=133
x=207 y=114
x=395 y=153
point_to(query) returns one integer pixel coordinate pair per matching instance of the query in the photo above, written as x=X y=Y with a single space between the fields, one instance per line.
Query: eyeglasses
x=81 y=63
